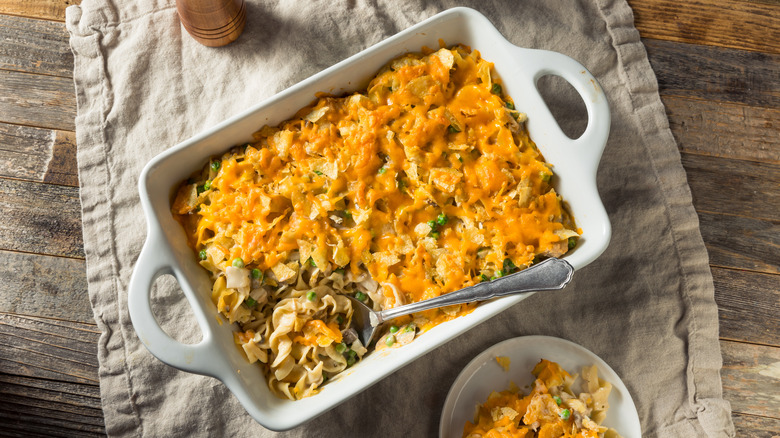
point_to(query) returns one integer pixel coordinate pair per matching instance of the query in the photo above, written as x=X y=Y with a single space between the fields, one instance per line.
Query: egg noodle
x=553 y=409
x=425 y=183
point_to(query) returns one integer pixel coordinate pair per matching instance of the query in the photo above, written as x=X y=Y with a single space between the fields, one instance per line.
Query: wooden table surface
x=718 y=68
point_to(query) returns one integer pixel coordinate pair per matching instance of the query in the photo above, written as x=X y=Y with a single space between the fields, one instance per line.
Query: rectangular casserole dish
x=166 y=251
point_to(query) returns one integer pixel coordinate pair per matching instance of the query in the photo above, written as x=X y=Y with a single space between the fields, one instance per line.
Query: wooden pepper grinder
x=213 y=23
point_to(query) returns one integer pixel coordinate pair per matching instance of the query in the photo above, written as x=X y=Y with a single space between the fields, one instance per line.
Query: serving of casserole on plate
x=436 y=174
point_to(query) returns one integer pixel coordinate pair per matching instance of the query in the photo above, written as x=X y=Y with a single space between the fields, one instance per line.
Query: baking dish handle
x=153 y=262
x=590 y=145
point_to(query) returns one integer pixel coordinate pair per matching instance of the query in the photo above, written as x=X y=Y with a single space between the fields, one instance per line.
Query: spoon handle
x=551 y=274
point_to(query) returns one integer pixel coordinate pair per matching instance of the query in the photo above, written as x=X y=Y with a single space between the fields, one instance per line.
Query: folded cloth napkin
x=646 y=306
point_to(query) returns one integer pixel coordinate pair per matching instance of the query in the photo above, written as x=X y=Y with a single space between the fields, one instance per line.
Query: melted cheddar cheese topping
x=428 y=181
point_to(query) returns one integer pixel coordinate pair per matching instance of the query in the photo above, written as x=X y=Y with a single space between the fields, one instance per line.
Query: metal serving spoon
x=551 y=274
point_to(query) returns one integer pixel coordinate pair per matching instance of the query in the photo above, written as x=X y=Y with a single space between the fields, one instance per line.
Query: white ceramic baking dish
x=166 y=251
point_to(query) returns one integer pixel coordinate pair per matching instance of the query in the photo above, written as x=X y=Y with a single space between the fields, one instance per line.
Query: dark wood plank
x=741 y=243
x=756 y=427
x=727 y=23
x=46 y=286
x=35 y=46
x=37 y=100
x=61 y=398
x=38 y=154
x=40 y=218
x=723 y=129
x=750 y=378
x=36 y=423
x=748 y=303
x=716 y=74
x=44 y=9
x=51 y=349
x=734 y=187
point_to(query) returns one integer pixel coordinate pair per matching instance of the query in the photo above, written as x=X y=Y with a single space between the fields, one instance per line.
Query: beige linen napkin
x=646 y=306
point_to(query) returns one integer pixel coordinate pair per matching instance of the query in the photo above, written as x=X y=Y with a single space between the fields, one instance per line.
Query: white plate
x=483 y=375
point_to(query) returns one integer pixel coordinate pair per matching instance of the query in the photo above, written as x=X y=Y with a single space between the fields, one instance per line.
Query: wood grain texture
x=45 y=286
x=49 y=349
x=44 y=9
x=723 y=129
x=727 y=23
x=748 y=303
x=48 y=378
x=756 y=427
x=741 y=242
x=35 y=46
x=40 y=218
x=22 y=421
x=37 y=100
x=751 y=376
x=715 y=74
x=734 y=187
x=38 y=154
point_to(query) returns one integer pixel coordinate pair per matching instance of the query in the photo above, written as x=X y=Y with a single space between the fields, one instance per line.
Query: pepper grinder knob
x=213 y=23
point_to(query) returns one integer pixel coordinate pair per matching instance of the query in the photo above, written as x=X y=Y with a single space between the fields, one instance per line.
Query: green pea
x=483 y=277
x=256 y=273
x=360 y=296
x=207 y=185
x=435 y=234
x=341 y=348
x=238 y=262
x=393 y=328
x=390 y=340
x=401 y=184
x=351 y=361
x=510 y=105
x=565 y=414
x=203 y=255
x=509 y=266
x=409 y=328
x=382 y=170
x=557 y=400
x=312 y=263
x=347 y=214
x=311 y=296
x=497 y=274
x=215 y=165
x=496 y=89
x=572 y=242
x=251 y=302
x=545 y=176
x=442 y=219
x=432 y=224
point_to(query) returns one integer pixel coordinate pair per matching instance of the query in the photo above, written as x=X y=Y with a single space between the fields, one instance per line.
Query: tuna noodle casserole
x=425 y=183
x=553 y=408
